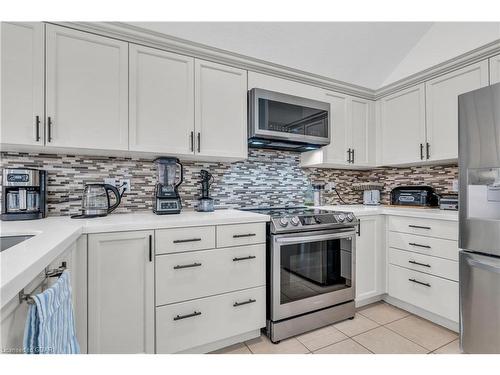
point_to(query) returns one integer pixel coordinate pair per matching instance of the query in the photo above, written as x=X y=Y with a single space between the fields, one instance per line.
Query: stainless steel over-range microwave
x=286 y=122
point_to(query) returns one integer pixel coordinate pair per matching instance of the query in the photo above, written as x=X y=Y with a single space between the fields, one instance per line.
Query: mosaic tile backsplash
x=266 y=178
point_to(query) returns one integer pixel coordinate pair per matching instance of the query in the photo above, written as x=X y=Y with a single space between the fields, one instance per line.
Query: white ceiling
x=369 y=54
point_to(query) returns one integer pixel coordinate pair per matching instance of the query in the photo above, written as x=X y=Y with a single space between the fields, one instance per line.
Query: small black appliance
x=24 y=194
x=423 y=196
x=205 y=203
x=170 y=174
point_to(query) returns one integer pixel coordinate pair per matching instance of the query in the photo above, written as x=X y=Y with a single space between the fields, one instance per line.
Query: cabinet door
x=22 y=83
x=86 y=90
x=161 y=101
x=442 y=108
x=494 y=69
x=370 y=259
x=220 y=110
x=121 y=292
x=335 y=153
x=362 y=132
x=403 y=126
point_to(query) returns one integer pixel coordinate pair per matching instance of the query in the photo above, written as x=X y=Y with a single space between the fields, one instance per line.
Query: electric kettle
x=96 y=200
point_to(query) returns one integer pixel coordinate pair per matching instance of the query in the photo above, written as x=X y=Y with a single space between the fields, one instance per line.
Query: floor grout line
x=399 y=334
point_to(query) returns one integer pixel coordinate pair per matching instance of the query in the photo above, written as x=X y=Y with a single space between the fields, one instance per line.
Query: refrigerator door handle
x=482 y=265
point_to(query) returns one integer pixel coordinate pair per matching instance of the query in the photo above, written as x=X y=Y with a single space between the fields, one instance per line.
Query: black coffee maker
x=170 y=175
x=205 y=203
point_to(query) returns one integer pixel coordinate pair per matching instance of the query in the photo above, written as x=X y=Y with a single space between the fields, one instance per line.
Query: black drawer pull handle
x=419 y=264
x=418 y=245
x=419 y=227
x=419 y=282
x=188 y=240
x=236 y=304
x=179 y=267
x=244 y=235
x=244 y=258
x=179 y=317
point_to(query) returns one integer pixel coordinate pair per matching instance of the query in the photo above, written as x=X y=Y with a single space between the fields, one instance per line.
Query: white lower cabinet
x=121 y=292
x=187 y=325
x=423 y=267
x=195 y=274
x=211 y=297
x=370 y=260
x=434 y=294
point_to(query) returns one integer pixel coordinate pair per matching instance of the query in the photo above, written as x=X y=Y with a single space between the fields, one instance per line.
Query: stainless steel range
x=310 y=269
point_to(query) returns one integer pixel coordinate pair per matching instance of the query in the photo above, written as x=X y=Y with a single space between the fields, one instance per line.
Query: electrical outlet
x=110 y=181
x=125 y=184
x=329 y=186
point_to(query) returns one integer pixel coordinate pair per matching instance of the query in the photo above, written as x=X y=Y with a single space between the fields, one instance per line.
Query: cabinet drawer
x=185 y=276
x=439 y=296
x=186 y=325
x=241 y=234
x=184 y=239
x=425 y=227
x=435 y=266
x=424 y=245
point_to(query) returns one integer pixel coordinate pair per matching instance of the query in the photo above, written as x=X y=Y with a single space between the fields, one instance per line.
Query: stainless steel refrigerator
x=479 y=216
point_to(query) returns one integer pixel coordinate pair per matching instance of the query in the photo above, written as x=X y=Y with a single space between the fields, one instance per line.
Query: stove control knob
x=295 y=221
x=341 y=218
x=283 y=221
x=350 y=216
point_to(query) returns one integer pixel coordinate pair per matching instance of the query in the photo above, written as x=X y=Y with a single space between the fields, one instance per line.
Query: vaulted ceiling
x=369 y=54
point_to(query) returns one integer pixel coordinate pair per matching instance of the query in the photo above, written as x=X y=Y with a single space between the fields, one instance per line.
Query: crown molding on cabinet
x=138 y=35
x=468 y=58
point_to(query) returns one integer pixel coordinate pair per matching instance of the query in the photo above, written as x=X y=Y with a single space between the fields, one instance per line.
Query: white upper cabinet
x=402 y=126
x=22 y=112
x=220 y=110
x=121 y=292
x=161 y=101
x=442 y=108
x=86 y=90
x=494 y=69
x=362 y=132
x=352 y=128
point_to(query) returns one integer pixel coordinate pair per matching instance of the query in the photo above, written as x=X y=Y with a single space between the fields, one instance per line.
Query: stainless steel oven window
x=311 y=271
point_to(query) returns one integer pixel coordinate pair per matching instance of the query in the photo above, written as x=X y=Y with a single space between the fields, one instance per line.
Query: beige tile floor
x=379 y=328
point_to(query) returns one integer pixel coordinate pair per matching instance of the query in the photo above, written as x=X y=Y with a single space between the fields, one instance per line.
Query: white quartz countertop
x=20 y=264
x=427 y=213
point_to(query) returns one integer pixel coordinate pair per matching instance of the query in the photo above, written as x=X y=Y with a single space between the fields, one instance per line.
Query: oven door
x=311 y=271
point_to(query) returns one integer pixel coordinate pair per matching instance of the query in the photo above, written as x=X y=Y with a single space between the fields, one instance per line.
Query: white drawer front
x=439 y=296
x=241 y=234
x=212 y=318
x=435 y=266
x=185 y=276
x=184 y=239
x=424 y=245
x=425 y=227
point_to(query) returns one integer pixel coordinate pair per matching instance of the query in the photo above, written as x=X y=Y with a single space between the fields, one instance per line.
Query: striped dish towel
x=50 y=325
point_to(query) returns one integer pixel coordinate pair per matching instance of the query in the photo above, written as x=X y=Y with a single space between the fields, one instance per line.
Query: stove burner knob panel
x=341 y=218
x=295 y=221
x=350 y=216
x=283 y=221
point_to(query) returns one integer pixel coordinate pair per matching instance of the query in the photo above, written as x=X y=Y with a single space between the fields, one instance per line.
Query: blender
x=170 y=175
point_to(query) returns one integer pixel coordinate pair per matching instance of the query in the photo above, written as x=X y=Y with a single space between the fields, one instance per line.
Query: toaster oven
x=423 y=196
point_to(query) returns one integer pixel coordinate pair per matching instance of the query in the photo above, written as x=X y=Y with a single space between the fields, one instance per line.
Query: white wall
x=443 y=41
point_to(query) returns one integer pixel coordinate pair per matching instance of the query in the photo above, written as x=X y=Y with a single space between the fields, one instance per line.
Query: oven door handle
x=321 y=237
